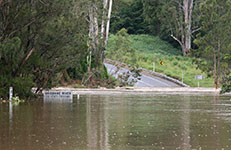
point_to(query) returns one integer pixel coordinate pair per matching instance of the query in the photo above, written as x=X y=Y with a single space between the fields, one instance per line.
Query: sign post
x=154 y=67
x=199 y=77
x=182 y=77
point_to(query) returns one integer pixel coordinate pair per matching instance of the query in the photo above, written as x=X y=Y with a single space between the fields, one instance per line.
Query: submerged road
x=146 y=80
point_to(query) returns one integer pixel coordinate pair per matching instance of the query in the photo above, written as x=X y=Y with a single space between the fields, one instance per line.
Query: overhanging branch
x=175 y=38
x=24 y=61
x=198 y=29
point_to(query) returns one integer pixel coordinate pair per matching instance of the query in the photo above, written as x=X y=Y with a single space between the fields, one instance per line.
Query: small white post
x=11 y=93
x=154 y=67
x=182 y=77
x=10 y=113
x=198 y=84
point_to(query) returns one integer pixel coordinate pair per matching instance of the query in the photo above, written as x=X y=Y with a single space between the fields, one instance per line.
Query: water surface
x=118 y=122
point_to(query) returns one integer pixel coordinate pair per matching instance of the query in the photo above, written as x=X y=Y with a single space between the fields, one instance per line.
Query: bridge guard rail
x=148 y=72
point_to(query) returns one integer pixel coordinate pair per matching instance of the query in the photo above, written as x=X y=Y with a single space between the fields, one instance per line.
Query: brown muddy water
x=118 y=122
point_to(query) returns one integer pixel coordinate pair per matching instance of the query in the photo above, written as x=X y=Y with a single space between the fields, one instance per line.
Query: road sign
x=57 y=95
x=199 y=77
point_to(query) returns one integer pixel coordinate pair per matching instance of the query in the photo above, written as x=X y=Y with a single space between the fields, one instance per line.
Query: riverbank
x=140 y=90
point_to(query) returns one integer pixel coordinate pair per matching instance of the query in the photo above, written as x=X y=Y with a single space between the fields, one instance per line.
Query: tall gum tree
x=38 y=41
x=214 y=40
x=178 y=19
x=97 y=12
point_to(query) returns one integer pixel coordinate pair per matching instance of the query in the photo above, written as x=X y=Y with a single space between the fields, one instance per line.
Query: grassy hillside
x=151 y=50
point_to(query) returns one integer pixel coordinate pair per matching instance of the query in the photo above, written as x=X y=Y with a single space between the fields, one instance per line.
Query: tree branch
x=24 y=61
x=28 y=24
x=175 y=38
x=176 y=1
x=198 y=29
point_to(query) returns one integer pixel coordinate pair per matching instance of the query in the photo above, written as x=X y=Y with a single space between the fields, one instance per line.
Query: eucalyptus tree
x=214 y=47
x=151 y=14
x=98 y=14
x=38 y=41
x=178 y=18
x=131 y=16
x=20 y=22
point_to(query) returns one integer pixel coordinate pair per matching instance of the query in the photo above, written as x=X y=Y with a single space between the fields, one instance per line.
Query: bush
x=183 y=67
x=21 y=86
x=122 y=50
x=175 y=63
x=226 y=84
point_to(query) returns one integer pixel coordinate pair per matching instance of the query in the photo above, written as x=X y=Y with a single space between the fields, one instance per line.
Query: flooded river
x=125 y=122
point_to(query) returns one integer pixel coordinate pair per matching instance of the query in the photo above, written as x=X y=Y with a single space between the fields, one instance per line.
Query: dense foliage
x=214 y=47
x=130 y=16
x=121 y=49
x=39 y=41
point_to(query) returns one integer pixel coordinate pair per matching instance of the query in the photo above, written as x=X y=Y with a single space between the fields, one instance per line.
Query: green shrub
x=175 y=63
x=21 y=86
x=226 y=85
x=178 y=58
x=170 y=58
x=183 y=67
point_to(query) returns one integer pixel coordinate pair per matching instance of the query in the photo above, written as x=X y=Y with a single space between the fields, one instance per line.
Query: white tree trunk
x=185 y=39
x=188 y=24
x=91 y=37
x=108 y=22
x=103 y=19
x=96 y=29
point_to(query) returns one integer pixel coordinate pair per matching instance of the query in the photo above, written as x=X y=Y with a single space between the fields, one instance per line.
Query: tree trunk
x=108 y=22
x=215 y=69
x=91 y=44
x=185 y=28
x=184 y=51
x=89 y=62
x=97 y=50
x=103 y=19
x=188 y=6
x=218 y=62
x=96 y=28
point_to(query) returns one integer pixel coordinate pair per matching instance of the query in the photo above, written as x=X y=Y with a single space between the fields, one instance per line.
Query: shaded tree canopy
x=39 y=40
x=214 y=47
x=130 y=16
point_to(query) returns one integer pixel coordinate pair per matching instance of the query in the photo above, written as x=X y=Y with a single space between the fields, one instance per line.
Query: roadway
x=146 y=80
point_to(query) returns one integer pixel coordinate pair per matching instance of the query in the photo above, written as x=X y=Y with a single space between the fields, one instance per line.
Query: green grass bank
x=152 y=50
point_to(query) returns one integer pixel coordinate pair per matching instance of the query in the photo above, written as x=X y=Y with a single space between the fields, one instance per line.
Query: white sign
x=199 y=77
x=57 y=95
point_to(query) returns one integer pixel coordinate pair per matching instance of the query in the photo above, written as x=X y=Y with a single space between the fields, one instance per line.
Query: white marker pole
x=182 y=77
x=11 y=93
x=154 y=67
x=198 y=83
